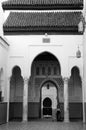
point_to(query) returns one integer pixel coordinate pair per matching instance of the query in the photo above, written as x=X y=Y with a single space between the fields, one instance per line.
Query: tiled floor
x=43 y=125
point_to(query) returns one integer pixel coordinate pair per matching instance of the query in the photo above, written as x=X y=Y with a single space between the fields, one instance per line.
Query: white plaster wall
x=23 y=50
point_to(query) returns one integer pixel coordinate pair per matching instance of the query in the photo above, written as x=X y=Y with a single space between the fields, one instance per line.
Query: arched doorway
x=49 y=99
x=16 y=95
x=75 y=95
x=44 y=66
x=47 y=107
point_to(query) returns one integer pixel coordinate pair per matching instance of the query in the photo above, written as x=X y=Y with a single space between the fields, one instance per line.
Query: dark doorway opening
x=47 y=107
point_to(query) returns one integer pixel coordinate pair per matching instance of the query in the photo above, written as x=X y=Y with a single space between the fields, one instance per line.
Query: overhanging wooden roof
x=42 y=4
x=53 y=22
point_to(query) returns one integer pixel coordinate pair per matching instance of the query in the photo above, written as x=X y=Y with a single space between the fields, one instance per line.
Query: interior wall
x=3 y=113
x=16 y=89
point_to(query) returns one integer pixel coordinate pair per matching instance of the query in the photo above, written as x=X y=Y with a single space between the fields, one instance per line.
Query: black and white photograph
x=42 y=64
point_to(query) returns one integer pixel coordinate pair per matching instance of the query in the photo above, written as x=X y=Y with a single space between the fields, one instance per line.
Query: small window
x=49 y=71
x=46 y=40
x=55 y=71
x=37 y=71
x=43 y=70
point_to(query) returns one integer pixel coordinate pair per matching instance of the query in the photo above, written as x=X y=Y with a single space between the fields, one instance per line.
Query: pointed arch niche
x=75 y=95
x=16 y=94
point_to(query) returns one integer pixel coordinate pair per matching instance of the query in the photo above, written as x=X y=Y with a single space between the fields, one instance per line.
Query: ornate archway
x=49 y=99
x=47 y=107
x=45 y=66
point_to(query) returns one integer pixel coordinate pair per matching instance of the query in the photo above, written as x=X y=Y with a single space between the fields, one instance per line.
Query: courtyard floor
x=43 y=125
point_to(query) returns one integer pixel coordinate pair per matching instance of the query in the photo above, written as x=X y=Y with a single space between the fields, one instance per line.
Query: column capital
x=26 y=80
x=65 y=79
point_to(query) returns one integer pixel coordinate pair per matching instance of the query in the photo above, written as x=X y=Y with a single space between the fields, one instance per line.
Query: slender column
x=66 y=107
x=83 y=99
x=84 y=76
x=8 y=98
x=84 y=63
x=25 y=100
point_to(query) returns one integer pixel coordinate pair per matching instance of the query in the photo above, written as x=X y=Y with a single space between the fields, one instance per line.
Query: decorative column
x=66 y=106
x=83 y=30
x=84 y=62
x=25 y=100
x=84 y=74
x=8 y=98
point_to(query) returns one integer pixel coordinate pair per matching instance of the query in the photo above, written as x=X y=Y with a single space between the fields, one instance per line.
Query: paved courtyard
x=39 y=125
